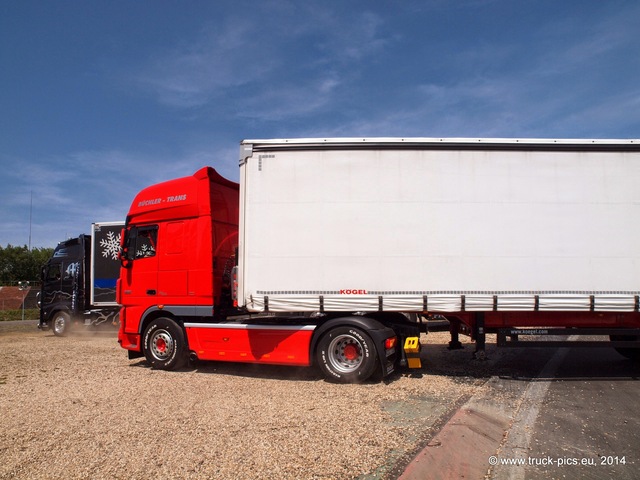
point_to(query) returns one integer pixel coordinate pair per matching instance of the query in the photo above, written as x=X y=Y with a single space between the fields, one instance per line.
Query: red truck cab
x=177 y=254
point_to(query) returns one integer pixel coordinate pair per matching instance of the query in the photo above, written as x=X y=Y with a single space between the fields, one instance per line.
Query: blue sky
x=99 y=99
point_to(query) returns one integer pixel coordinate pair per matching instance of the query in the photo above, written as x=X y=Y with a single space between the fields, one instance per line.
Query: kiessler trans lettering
x=157 y=201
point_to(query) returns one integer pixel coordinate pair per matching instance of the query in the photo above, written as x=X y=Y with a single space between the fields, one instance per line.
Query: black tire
x=630 y=353
x=164 y=344
x=61 y=324
x=347 y=355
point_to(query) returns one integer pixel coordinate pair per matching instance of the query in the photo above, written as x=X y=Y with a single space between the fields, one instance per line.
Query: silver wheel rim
x=161 y=345
x=345 y=353
x=58 y=324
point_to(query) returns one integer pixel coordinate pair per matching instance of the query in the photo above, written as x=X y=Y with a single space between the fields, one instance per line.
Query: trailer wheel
x=630 y=353
x=61 y=324
x=164 y=344
x=347 y=355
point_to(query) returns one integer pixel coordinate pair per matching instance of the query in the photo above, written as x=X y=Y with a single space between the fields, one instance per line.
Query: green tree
x=20 y=263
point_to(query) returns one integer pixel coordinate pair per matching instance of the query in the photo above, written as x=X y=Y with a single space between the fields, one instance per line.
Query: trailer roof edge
x=437 y=143
x=439 y=140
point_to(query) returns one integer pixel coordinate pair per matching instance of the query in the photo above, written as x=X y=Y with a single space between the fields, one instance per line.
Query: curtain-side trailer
x=79 y=281
x=345 y=245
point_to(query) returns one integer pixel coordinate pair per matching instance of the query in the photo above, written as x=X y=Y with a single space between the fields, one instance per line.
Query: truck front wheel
x=164 y=344
x=346 y=355
x=61 y=323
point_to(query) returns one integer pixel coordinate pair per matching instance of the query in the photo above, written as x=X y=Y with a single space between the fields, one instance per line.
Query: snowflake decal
x=110 y=246
x=145 y=251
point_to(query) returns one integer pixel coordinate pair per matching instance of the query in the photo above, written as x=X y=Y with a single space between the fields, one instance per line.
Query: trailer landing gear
x=454 y=330
x=480 y=337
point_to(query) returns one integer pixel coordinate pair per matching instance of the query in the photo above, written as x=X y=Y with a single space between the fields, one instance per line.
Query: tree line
x=19 y=263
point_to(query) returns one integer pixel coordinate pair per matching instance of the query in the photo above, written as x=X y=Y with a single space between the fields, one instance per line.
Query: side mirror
x=127 y=237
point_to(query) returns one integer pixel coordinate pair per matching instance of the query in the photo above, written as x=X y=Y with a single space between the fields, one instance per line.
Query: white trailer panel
x=450 y=225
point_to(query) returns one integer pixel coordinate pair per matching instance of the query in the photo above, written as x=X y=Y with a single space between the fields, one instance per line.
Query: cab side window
x=54 y=272
x=146 y=242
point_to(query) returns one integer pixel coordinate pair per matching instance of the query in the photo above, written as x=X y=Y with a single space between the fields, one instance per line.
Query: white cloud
x=285 y=63
x=569 y=79
x=193 y=74
x=292 y=100
x=69 y=193
x=349 y=40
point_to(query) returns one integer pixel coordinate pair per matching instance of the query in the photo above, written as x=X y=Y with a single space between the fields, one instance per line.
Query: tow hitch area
x=412 y=351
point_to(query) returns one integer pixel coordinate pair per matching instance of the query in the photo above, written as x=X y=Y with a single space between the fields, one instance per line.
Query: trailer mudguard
x=375 y=329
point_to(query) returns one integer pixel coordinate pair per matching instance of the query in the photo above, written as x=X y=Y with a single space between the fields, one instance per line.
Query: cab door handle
x=151 y=292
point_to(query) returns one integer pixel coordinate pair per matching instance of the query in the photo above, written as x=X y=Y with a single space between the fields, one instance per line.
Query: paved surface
x=550 y=413
x=589 y=426
x=545 y=413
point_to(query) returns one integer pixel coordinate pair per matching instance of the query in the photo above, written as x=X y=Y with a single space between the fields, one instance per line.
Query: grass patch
x=29 y=314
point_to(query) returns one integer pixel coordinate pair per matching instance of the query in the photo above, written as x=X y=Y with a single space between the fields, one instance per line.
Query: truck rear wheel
x=630 y=353
x=60 y=324
x=164 y=344
x=347 y=355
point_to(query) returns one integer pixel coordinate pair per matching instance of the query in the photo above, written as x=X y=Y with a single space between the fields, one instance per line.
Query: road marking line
x=518 y=441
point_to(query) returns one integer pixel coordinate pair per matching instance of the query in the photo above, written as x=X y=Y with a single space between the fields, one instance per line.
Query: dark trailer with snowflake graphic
x=105 y=268
x=79 y=281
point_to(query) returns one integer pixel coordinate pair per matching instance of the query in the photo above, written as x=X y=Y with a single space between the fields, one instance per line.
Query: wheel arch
x=372 y=327
x=55 y=311
x=153 y=313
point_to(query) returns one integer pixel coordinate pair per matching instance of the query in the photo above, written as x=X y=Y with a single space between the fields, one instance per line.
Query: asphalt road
x=546 y=413
x=588 y=424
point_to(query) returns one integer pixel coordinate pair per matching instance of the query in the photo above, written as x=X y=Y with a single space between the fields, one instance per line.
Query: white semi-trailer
x=341 y=238
x=392 y=221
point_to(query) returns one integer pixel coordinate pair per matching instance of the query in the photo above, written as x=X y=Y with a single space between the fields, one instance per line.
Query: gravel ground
x=76 y=407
